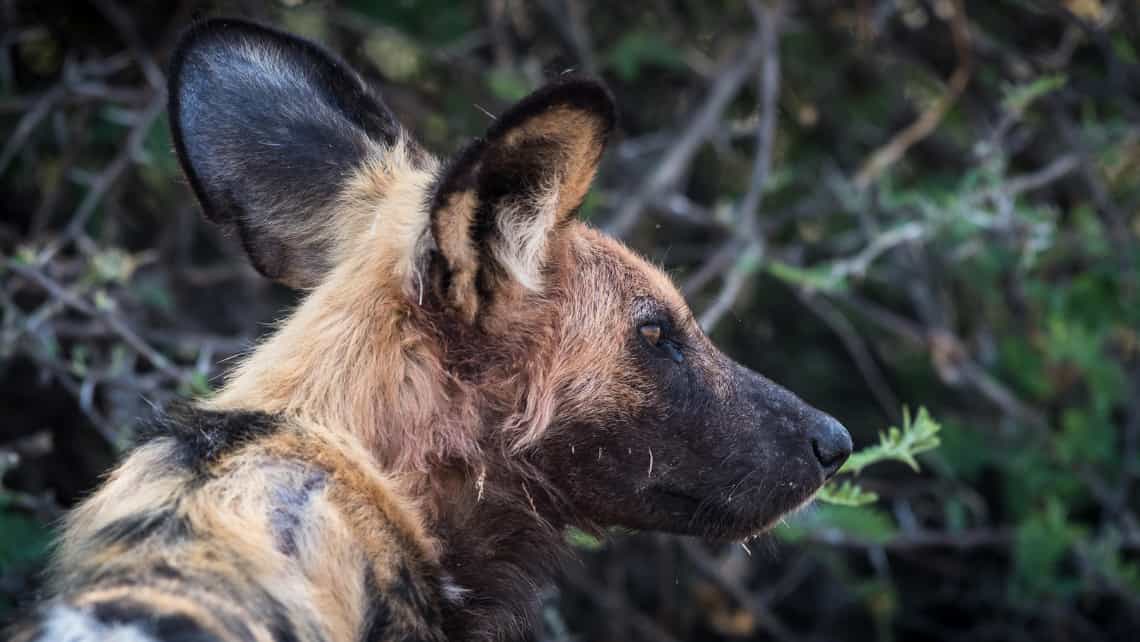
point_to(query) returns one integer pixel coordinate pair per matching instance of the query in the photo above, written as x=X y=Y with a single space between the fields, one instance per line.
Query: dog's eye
x=655 y=335
x=651 y=332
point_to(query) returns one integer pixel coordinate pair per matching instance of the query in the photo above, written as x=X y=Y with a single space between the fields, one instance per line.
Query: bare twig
x=950 y=357
x=1112 y=217
x=919 y=540
x=107 y=178
x=706 y=565
x=747 y=221
x=882 y=158
x=124 y=24
x=1018 y=185
x=568 y=18
x=747 y=216
x=719 y=261
x=106 y=431
x=702 y=125
x=129 y=336
x=734 y=282
x=615 y=601
x=28 y=123
x=857 y=348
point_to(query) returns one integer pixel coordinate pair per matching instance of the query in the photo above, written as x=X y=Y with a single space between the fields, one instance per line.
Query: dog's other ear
x=498 y=204
x=267 y=127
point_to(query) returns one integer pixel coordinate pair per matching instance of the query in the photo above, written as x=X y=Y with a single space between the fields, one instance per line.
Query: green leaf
x=866 y=524
x=508 y=85
x=582 y=540
x=196 y=385
x=818 y=278
x=1018 y=98
x=846 y=494
x=915 y=437
x=638 y=49
x=1040 y=544
x=112 y=265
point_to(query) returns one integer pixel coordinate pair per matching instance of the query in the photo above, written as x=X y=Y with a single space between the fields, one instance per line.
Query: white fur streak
x=453 y=592
x=524 y=225
x=74 y=625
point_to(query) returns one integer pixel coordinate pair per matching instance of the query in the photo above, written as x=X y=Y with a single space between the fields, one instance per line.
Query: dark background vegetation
x=877 y=203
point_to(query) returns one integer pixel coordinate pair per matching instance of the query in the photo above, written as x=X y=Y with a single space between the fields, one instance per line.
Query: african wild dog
x=470 y=371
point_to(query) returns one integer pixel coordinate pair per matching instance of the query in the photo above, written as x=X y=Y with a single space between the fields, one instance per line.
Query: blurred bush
x=874 y=202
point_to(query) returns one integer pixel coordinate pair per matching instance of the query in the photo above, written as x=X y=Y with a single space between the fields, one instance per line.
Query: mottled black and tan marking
x=469 y=372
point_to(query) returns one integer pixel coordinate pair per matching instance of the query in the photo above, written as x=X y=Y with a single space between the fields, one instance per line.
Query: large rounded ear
x=267 y=127
x=498 y=203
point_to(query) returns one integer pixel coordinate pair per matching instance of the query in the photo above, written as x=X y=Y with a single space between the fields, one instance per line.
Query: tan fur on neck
x=350 y=357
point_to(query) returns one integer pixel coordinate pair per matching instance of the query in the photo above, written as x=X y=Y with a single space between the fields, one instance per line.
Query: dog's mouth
x=737 y=517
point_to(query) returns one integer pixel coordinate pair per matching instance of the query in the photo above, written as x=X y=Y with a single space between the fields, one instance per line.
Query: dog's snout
x=830 y=442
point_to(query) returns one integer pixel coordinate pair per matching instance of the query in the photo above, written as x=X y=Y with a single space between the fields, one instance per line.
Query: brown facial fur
x=464 y=379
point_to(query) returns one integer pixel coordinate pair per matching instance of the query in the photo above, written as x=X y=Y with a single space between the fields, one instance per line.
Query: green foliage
x=196 y=385
x=813 y=279
x=1106 y=559
x=24 y=541
x=966 y=451
x=845 y=493
x=436 y=22
x=1041 y=543
x=397 y=57
x=866 y=524
x=582 y=540
x=508 y=85
x=1019 y=97
x=637 y=50
x=898 y=444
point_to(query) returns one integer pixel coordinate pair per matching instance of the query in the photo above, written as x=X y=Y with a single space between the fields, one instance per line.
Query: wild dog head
x=457 y=315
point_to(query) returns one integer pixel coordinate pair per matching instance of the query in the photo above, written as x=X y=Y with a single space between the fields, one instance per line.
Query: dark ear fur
x=497 y=203
x=267 y=126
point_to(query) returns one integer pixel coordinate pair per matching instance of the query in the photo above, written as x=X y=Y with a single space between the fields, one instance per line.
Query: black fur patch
x=160 y=626
x=133 y=529
x=289 y=510
x=407 y=610
x=165 y=571
x=379 y=612
x=280 y=626
x=407 y=589
x=205 y=436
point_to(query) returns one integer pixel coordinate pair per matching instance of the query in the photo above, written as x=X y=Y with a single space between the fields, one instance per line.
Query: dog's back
x=242 y=526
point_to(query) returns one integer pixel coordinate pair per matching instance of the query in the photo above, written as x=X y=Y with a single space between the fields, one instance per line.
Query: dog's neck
x=498 y=520
x=500 y=528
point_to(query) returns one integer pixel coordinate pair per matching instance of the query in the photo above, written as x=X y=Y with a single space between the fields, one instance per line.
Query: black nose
x=831 y=444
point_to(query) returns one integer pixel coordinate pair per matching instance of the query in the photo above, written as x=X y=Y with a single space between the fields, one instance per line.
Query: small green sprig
x=846 y=493
x=896 y=444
